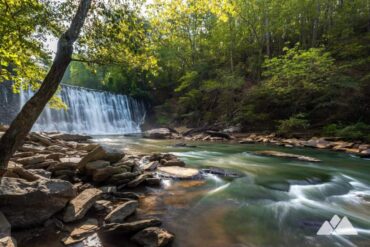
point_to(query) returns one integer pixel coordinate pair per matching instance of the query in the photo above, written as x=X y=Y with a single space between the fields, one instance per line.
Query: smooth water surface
x=278 y=202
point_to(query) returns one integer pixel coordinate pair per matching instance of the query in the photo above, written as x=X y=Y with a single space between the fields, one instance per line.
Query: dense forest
x=264 y=65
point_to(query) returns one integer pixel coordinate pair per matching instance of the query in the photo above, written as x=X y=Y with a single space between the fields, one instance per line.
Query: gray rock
x=78 y=207
x=120 y=213
x=26 y=204
x=153 y=237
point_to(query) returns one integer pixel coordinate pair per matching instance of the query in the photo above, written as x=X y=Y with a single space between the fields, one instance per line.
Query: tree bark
x=22 y=124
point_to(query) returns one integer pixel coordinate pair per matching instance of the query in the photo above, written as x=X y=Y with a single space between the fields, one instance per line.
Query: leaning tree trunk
x=22 y=124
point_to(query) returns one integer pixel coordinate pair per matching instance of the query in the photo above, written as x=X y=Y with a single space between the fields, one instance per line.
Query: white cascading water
x=91 y=112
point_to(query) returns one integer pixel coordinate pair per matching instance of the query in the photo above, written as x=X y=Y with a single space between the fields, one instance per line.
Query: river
x=278 y=202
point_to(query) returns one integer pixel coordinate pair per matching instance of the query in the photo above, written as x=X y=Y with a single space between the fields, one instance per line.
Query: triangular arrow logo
x=337 y=226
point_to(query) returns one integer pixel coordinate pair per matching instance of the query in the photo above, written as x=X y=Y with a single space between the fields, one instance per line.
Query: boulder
x=81 y=231
x=178 y=172
x=153 y=237
x=27 y=204
x=92 y=167
x=120 y=213
x=113 y=156
x=287 y=155
x=96 y=154
x=130 y=227
x=78 y=207
x=160 y=133
x=5 y=227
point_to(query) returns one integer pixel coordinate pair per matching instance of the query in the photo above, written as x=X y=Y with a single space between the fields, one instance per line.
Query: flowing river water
x=278 y=202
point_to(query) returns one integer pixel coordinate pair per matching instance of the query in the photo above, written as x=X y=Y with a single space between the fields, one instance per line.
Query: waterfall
x=91 y=112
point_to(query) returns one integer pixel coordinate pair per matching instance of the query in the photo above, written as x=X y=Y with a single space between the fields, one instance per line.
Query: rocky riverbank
x=83 y=191
x=358 y=148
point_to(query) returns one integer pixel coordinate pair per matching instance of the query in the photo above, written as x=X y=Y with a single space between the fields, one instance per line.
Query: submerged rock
x=178 y=172
x=222 y=172
x=120 y=213
x=78 y=207
x=27 y=204
x=287 y=155
x=153 y=237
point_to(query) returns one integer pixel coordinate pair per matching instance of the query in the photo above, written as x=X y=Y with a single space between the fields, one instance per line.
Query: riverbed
x=277 y=202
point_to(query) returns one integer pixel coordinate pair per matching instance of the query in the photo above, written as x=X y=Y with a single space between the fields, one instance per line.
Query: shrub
x=294 y=123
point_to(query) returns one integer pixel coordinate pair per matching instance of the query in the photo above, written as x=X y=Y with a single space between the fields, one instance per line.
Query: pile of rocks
x=62 y=178
x=357 y=148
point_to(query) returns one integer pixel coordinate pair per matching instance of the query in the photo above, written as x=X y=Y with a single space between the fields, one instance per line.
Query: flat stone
x=130 y=227
x=81 y=231
x=78 y=207
x=31 y=160
x=153 y=237
x=178 y=172
x=287 y=155
x=120 y=213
